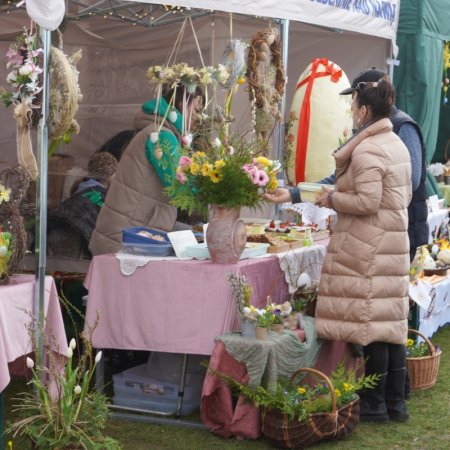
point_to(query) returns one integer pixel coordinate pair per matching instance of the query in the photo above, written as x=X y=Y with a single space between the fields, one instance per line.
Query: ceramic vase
x=261 y=332
x=248 y=328
x=226 y=235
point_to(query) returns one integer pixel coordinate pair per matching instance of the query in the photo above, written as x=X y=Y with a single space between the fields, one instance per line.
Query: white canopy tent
x=116 y=55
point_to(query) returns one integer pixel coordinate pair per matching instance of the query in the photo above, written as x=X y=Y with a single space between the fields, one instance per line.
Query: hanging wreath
x=13 y=237
x=64 y=97
x=266 y=80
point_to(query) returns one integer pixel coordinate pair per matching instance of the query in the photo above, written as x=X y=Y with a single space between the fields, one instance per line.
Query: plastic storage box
x=136 y=243
x=135 y=387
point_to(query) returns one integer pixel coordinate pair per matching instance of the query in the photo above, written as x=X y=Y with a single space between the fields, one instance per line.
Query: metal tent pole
x=41 y=200
x=285 y=48
x=281 y=127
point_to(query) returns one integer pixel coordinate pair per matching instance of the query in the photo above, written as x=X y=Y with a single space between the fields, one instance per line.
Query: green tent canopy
x=424 y=26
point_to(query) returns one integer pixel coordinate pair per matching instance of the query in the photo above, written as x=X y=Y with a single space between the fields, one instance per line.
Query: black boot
x=373 y=405
x=395 y=384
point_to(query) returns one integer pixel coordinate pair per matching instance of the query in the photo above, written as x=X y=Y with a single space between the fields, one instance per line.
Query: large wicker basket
x=282 y=432
x=423 y=370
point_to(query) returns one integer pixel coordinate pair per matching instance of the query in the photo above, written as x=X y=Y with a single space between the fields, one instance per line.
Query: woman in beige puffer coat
x=363 y=291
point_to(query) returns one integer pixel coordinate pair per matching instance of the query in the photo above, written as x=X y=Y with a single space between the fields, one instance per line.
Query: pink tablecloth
x=16 y=310
x=171 y=305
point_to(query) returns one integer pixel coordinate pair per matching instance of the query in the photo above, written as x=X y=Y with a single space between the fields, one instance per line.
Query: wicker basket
x=282 y=432
x=423 y=370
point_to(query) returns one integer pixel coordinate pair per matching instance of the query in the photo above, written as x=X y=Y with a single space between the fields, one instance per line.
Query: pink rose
x=181 y=177
x=185 y=161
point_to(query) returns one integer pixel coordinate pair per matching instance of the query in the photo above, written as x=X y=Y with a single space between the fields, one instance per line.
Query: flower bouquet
x=225 y=173
x=422 y=362
x=24 y=60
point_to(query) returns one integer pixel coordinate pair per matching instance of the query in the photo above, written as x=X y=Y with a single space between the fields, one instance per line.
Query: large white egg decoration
x=320 y=120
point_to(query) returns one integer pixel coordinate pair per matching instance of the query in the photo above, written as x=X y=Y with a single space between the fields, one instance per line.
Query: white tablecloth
x=438 y=312
x=434 y=220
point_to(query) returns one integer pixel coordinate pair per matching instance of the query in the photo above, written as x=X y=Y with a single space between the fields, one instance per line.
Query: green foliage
x=265 y=318
x=301 y=299
x=415 y=350
x=299 y=400
x=62 y=409
x=216 y=176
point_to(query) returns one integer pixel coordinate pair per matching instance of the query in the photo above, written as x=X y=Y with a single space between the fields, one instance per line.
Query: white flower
x=26 y=69
x=77 y=389
x=260 y=312
x=304 y=280
x=11 y=77
x=217 y=142
x=98 y=357
x=246 y=310
x=30 y=363
x=69 y=352
x=73 y=344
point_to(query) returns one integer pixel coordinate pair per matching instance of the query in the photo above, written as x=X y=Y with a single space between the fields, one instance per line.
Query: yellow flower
x=252 y=309
x=215 y=176
x=264 y=161
x=273 y=183
x=219 y=164
x=337 y=392
x=206 y=169
x=199 y=155
x=4 y=194
x=348 y=387
x=409 y=343
x=194 y=168
x=241 y=80
x=301 y=390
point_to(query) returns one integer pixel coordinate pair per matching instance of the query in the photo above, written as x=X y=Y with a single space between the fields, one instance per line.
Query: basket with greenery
x=297 y=415
x=422 y=361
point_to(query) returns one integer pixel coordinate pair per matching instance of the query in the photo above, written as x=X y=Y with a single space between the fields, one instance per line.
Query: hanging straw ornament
x=64 y=97
x=266 y=80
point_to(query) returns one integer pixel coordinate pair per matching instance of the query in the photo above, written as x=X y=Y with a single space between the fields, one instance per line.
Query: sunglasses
x=359 y=87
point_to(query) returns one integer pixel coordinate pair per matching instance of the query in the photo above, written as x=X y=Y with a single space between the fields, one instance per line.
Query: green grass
x=427 y=429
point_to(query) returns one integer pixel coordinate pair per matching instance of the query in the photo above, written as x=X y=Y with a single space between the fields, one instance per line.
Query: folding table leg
x=181 y=386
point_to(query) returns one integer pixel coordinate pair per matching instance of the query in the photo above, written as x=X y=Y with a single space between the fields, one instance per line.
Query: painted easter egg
x=173 y=116
x=154 y=137
x=320 y=120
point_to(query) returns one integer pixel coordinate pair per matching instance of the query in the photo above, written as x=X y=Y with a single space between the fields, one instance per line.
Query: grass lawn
x=427 y=429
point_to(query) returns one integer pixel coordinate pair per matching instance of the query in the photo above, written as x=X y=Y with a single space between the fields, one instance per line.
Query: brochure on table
x=181 y=240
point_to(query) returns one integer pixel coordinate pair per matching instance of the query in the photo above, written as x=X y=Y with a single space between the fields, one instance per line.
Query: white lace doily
x=129 y=262
x=310 y=213
x=295 y=262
